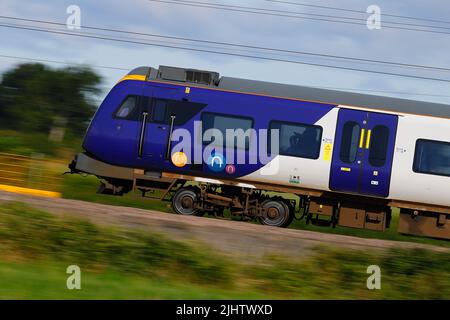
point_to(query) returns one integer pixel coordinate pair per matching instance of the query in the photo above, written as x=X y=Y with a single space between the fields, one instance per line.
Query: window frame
x=228 y=116
x=414 y=166
x=292 y=123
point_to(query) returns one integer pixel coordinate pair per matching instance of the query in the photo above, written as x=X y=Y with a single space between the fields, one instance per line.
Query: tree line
x=36 y=98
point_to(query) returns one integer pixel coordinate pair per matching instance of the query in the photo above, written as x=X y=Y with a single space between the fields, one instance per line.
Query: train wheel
x=184 y=202
x=291 y=215
x=277 y=214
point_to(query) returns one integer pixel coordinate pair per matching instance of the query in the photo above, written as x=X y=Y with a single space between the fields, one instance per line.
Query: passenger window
x=379 y=146
x=349 y=143
x=432 y=157
x=127 y=109
x=298 y=140
x=159 y=111
x=223 y=122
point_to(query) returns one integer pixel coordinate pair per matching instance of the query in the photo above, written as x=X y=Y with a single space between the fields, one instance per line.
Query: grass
x=28 y=143
x=47 y=280
x=32 y=234
x=36 y=247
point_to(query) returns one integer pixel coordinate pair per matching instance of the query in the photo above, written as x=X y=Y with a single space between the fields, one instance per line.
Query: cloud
x=250 y=29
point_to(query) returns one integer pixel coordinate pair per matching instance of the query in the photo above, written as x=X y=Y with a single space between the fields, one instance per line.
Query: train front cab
x=133 y=124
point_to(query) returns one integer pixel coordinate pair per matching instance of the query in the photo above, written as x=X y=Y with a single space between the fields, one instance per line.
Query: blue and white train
x=349 y=158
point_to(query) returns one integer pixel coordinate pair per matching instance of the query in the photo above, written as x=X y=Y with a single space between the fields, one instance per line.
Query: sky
x=409 y=47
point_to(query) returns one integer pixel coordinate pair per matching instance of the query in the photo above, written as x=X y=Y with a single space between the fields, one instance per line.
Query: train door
x=154 y=132
x=363 y=152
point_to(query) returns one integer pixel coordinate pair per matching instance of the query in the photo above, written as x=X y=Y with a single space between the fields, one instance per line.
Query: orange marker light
x=179 y=159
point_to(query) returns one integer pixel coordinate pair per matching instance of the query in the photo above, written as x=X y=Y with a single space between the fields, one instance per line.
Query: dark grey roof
x=315 y=94
x=336 y=97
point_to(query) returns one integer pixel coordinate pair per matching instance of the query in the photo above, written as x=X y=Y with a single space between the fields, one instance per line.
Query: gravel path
x=231 y=237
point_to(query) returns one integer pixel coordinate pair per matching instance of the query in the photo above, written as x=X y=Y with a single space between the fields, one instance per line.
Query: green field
x=36 y=247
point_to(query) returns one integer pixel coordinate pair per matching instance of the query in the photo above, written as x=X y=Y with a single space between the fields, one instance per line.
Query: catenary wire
x=438 y=68
x=211 y=6
x=303 y=4
x=229 y=54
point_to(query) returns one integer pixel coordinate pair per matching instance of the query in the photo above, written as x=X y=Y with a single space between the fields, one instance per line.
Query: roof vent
x=188 y=75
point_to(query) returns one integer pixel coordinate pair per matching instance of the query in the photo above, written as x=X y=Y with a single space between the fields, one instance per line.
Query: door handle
x=142 y=135
x=361 y=138
x=369 y=134
x=169 y=138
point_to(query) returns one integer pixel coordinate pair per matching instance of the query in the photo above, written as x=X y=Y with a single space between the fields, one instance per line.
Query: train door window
x=432 y=157
x=159 y=114
x=350 y=139
x=297 y=140
x=378 y=146
x=223 y=122
x=127 y=109
x=184 y=110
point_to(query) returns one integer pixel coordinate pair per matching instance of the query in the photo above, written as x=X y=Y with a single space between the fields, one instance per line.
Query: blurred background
x=44 y=113
x=53 y=79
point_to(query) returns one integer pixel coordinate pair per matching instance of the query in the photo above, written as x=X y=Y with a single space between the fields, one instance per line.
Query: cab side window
x=183 y=111
x=159 y=110
x=128 y=109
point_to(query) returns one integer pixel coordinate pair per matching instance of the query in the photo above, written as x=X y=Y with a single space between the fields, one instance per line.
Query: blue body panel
x=116 y=141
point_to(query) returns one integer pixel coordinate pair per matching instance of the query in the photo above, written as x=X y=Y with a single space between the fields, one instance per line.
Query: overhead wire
x=303 y=4
x=297 y=15
x=237 y=45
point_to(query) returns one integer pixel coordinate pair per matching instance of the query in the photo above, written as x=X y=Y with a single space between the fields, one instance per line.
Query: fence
x=30 y=175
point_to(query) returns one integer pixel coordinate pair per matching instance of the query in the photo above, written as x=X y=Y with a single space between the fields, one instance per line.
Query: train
x=332 y=158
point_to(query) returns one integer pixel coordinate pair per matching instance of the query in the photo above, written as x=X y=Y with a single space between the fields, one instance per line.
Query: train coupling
x=72 y=168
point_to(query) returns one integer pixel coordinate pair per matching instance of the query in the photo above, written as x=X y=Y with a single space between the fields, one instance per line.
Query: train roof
x=213 y=80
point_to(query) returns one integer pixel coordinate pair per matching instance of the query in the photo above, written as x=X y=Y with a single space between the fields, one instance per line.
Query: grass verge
x=36 y=247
